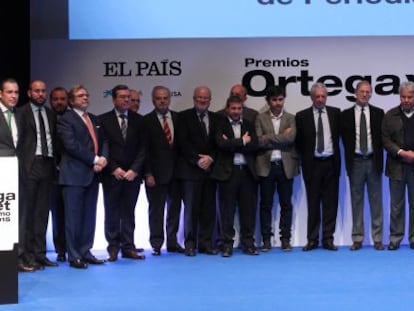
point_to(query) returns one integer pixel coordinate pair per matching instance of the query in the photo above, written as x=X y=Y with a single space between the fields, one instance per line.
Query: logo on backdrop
x=6 y=202
x=264 y=69
x=161 y=68
x=310 y=2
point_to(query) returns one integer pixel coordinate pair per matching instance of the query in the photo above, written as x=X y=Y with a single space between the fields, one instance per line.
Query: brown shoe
x=131 y=254
x=379 y=246
x=113 y=255
x=356 y=246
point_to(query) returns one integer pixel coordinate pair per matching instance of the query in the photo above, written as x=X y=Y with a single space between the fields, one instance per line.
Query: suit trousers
x=80 y=219
x=58 y=218
x=159 y=197
x=38 y=187
x=397 y=194
x=276 y=180
x=199 y=212
x=240 y=190
x=364 y=174
x=120 y=199
x=322 y=196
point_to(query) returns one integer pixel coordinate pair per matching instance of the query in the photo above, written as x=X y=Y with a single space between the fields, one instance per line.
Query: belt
x=240 y=166
x=363 y=156
x=323 y=158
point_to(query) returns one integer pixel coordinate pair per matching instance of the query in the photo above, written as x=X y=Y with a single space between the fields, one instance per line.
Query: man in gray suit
x=276 y=164
x=397 y=129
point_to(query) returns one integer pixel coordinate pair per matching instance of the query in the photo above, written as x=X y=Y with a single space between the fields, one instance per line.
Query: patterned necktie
x=43 y=140
x=321 y=146
x=166 y=129
x=363 y=137
x=91 y=130
x=123 y=125
x=203 y=123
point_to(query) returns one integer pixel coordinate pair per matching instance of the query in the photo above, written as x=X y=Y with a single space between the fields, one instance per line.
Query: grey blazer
x=268 y=141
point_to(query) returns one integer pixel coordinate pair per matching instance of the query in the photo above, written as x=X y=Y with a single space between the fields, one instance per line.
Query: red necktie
x=167 y=130
x=91 y=131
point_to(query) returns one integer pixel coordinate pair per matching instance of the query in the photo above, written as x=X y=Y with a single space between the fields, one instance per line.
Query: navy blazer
x=76 y=165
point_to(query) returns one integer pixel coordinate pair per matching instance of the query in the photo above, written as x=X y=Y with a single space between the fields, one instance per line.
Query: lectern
x=9 y=229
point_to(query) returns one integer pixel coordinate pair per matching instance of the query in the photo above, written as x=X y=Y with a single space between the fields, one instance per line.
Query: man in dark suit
x=161 y=184
x=317 y=141
x=248 y=113
x=11 y=133
x=122 y=177
x=234 y=169
x=398 y=140
x=364 y=157
x=277 y=165
x=58 y=100
x=84 y=155
x=197 y=154
x=38 y=156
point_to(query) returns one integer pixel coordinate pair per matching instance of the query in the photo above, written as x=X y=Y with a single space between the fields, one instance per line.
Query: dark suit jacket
x=306 y=138
x=348 y=133
x=129 y=154
x=226 y=148
x=393 y=140
x=248 y=114
x=7 y=147
x=76 y=166
x=192 y=141
x=29 y=141
x=161 y=158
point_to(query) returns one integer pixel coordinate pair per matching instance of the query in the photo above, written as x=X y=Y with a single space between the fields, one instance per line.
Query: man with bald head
x=197 y=153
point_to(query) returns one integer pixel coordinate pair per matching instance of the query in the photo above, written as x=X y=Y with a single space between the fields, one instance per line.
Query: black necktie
x=43 y=140
x=203 y=123
x=363 y=137
x=123 y=126
x=320 y=147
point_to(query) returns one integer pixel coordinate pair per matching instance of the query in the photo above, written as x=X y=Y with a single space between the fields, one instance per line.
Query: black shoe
x=156 y=251
x=227 y=252
x=310 y=246
x=267 y=246
x=46 y=262
x=175 y=249
x=78 y=264
x=189 y=251
x=329 y=246
x=21 y=267
x=36 y=265
x=251 y=251
x=356 y=246
x=61 y=257
x=393 y=246
x=95 y=261
x=208 y=251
